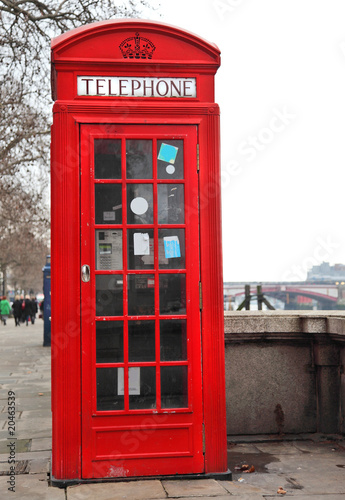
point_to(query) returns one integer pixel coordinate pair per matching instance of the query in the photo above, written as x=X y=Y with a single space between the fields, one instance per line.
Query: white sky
x=283 y=197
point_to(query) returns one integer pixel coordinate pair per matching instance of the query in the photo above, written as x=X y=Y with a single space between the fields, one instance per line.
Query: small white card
x=141 y=244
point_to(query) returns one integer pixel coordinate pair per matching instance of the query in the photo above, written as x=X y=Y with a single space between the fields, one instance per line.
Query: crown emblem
x=137 y=47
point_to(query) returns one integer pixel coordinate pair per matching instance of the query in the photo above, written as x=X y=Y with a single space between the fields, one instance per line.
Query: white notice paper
x=141 y=244
x=133 y=381
x=108 y=216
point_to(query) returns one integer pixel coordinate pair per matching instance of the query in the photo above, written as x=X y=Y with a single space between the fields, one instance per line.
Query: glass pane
x=171 y=249
x=174 y=386
x=172 y=294
x=139 y=204
x=170 y=204
x=170 y=159
x=141 y=341
x=139 y=159
x=108 y=204
x=141 y=294
x=107 y=159
x=108 y=395
x=109 y=295
x=173 y=334
x=142 y=387
x=140 y=249
x=109 y=341
x=109 y=249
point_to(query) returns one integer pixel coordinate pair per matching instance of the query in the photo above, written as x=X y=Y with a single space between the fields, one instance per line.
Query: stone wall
x=285 y=372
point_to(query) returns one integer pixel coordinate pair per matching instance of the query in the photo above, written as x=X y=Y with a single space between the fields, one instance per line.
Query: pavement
x=310 y=466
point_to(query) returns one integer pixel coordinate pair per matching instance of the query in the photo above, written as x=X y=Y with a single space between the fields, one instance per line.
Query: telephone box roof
x=115 y=40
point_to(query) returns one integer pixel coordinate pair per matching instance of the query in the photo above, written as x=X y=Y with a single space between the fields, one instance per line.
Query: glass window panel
x=107 y=159
x=172 y=294
x=174 y=386
x=109 y=295
x=170 y=204
x=108 y=204
x=109 y=341
x=170 y=159
x=142 y=387
x=173 y=340
x=139 y=204
x=140 y=249
x=141 y=294
x=139 y=159
x=171 y=249
x=108 y=395
x=141 y=341
x=109 y=249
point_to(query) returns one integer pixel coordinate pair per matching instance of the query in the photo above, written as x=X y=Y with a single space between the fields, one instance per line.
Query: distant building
x=326 y=272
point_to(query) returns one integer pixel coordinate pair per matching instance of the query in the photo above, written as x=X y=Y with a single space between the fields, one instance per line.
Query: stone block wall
x=285 y=372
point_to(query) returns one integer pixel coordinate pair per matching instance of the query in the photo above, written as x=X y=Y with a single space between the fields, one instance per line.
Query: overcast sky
x=281 y=89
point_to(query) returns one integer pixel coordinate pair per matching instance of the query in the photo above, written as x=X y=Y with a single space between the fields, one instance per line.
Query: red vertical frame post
x=65 y=295
x=212 y=294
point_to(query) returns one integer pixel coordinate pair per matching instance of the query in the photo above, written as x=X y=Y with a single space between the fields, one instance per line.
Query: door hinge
x=197 y=158
x=200 y=295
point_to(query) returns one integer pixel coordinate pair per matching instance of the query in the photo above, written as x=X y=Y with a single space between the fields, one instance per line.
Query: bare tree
x=26 y=28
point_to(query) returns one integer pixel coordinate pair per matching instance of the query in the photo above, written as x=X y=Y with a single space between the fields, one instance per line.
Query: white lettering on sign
x=130 y=86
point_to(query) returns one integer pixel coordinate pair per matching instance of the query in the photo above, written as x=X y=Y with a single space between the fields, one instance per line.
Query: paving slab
x=41 y=444
x=22 y=445
x=258 y=484
x=39 y=403
x=224 y=497
x=40 y=466
x=31 y=455
x=282 y=448
x=34 y=424
x=243 y=448
x=193 y=488
x=133 y=490
x=319 y=448
x=39 y=413
x=30 y=487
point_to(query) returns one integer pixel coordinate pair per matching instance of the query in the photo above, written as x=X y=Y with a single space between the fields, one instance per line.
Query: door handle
x=85 y=273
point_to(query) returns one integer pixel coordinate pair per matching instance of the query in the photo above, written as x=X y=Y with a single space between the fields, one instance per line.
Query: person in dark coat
x=27 y=309
x=34 y=309
x=17 y=309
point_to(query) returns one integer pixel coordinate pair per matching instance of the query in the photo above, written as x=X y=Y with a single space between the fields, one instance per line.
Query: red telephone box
x=138 y=385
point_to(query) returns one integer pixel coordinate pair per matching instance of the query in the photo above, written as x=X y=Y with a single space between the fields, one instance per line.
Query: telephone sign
x=136 y=255
x=129 y=86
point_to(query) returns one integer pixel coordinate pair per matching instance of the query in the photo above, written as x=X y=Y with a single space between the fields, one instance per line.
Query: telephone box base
x=64 y=483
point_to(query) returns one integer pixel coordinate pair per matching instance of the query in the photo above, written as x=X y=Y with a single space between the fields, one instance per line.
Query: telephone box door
x=141 y=341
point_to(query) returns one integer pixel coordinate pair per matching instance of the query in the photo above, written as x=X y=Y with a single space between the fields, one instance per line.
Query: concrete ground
x=309 y=466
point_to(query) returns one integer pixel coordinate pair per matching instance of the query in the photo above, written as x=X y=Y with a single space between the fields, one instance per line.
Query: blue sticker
x=167 y=153
x=171 y=247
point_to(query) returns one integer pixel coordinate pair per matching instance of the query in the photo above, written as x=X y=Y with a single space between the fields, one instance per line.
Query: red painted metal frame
x=88 y=51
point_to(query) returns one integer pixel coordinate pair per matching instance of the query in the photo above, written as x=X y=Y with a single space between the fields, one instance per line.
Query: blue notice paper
x=167 y=153
x=171 y=247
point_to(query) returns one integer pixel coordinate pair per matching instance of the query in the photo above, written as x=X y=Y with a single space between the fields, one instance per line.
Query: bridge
x=327 y=294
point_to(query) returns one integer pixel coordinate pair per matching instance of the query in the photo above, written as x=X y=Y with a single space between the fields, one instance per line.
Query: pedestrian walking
x=17 y=309
x=5 y=309
x=34 y=309
x=27 y=309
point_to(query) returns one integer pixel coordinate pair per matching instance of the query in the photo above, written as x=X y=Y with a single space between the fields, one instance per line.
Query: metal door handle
x=85 y=273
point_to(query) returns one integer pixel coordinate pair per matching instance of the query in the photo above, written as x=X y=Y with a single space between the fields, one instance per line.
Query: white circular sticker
x=170 y=169
x=139 y=206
